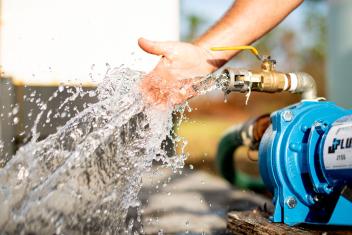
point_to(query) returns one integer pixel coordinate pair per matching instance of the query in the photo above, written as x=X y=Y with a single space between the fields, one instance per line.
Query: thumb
x=152 y=47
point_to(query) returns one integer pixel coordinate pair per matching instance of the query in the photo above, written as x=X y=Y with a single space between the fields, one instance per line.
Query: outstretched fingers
x=153 y=47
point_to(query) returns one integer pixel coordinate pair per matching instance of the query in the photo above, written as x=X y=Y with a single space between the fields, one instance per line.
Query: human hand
x=171 y=81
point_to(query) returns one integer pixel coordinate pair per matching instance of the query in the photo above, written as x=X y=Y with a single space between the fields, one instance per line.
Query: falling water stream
x=85 y=177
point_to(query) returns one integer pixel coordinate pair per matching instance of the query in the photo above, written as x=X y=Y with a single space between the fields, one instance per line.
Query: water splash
x=86 y=176
x=248 y=94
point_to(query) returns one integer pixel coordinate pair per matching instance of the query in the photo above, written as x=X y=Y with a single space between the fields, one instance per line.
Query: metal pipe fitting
x=305 y=85
x=267 y=80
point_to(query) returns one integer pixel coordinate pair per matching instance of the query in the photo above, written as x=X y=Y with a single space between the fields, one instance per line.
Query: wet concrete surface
x=194 y=202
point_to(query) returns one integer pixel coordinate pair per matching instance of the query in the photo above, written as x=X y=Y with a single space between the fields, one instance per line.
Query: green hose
x=225 y=161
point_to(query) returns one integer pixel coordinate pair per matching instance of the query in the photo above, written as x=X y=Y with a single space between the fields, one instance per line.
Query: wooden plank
x=257 y=222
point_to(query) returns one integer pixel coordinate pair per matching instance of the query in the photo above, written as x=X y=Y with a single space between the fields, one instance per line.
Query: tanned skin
x=170 y=82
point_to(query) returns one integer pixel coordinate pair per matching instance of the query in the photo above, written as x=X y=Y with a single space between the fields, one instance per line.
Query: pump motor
x=305 y=160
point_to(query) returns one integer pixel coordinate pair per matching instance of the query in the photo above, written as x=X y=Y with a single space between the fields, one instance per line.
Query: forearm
x=245 y=22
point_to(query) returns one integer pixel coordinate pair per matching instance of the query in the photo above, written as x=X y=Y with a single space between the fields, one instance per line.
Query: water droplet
x=15 y=120
x=248 y=93
x=15 y=110
x=225 y=97
x=61 y=88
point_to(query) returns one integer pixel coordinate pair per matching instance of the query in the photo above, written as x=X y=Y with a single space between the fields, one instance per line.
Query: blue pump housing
x=305 y=159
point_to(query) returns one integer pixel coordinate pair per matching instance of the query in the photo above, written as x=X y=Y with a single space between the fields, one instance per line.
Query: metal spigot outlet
x=266 y=80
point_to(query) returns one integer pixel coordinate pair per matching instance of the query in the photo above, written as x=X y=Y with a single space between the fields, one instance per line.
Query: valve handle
x=230 y=48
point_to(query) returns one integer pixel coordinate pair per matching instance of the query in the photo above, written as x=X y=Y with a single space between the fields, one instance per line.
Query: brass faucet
x=267 y=79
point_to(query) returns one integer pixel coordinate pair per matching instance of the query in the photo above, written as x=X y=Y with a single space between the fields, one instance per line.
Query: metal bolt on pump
x=287 y=116
x=291 y=202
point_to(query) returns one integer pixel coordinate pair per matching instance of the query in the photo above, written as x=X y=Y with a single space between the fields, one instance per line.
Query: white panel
x=45 y=41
